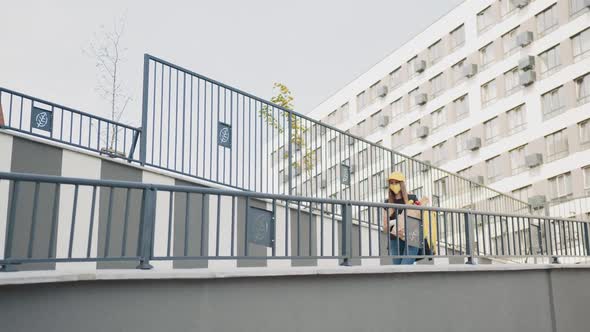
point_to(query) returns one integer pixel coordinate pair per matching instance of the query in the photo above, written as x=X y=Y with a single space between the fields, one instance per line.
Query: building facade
x=496 y=90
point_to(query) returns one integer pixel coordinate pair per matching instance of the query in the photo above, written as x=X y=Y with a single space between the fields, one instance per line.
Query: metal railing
x=199 y=127
x=47 y=120
x=570 y=207
x=52 y=219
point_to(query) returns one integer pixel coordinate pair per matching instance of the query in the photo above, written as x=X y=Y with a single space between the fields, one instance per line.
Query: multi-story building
x=496 y=90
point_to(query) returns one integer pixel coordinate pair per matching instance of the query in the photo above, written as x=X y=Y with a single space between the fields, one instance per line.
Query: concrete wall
x=536 y=300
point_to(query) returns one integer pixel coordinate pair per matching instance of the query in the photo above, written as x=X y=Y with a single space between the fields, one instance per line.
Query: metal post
x=346 y=236
x=148 y=218
x=290 y=147
x=144 y=110
x=469 y=239
x=586 y=239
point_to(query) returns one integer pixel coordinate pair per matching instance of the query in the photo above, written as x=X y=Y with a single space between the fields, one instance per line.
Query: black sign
x=224 y=135
x=260 y=226
x=41 y=119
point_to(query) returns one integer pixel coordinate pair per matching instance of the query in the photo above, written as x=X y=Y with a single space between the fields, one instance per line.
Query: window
x=461 y=107
x=457 y=37
x=511 y=81
x=437 y=85
x=492 y=130
x=494 y=169
x=561 y=185
x=378 y=181
x=581 y=44
x=586 y=172
x=435 y=52
x=395 y=77
x=414 y=130
x=553 y=103
x=577 y=6
x=374 y=89
x=361 y=100
x=396 y=139
x=332 y=146
x=397 y=108
x=364 y=188
x=583 y=89
x=516 y=119
x=584 y=128
x=547 y=20
x=509 y=41
x=549 y=60
x=439 y=153
x=457 y=70
x=523 y=193
x=461 y=141
x=439 y=118
x=485 y=19
x=556 y=145
x=506 y=7
x=517 y=160
x=488 y=92
x=412 y=98
x=412 y=66
x=363 y=158
x=486 y=54
x=441 y=187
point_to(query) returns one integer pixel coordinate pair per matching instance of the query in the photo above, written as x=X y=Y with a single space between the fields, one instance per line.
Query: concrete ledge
x=41 y=277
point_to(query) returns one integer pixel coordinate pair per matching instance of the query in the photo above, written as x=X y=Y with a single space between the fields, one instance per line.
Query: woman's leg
x=412 y=251
x=396 y=248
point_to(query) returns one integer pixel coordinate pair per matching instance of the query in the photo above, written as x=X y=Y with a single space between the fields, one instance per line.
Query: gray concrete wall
x=539 y=300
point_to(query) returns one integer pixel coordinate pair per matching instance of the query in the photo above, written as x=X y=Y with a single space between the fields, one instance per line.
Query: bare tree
x=109 y=53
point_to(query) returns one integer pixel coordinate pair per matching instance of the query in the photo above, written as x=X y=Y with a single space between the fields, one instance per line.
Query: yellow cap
x=399 y=176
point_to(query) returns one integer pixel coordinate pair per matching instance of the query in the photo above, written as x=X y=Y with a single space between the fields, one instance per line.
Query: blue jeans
x=393 y=250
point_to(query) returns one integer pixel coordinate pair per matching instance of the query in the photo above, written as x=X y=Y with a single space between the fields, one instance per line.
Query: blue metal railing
x=108 y=221
x=276 y=150
x=48 y=120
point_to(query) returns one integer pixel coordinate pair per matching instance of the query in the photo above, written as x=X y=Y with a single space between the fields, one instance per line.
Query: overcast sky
x=314 y=47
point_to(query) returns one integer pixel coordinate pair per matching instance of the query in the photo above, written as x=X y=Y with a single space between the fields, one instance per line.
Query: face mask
x=396 y=188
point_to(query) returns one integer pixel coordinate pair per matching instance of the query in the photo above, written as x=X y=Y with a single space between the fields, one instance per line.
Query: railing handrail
x=29 y=177
x=317 y=122
x=69 y=109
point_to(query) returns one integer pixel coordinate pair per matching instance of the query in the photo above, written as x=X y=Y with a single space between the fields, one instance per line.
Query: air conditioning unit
x=324 y=184
x=524 y=38
x=520 y=3
x=382 y=91
x=469 y=70
x=533 y=160
x=422 y=132
x=425 y=166
x=477 y=179
x=420 y=66
x=526 y=63
x=537 y=202
x=421 y=99
x=527 y=78
x=382 y=121
x=474 y=143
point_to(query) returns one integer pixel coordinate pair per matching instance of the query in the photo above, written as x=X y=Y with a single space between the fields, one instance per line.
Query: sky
x=314 y=47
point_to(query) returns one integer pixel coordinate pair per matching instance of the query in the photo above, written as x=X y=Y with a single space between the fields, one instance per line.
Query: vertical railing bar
x=274 y=228
x=126 y=222
x=73 y=223
x=218 y=225
x=183 y=121
x=33 y=221
x=176 y=130
x=246 y=227
x=202 y=242
x=321 y=229
x=233 y=224
x=298 y=229
x=170 y=209
x=187 y=218
x=91 y=226
x=109 y=220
